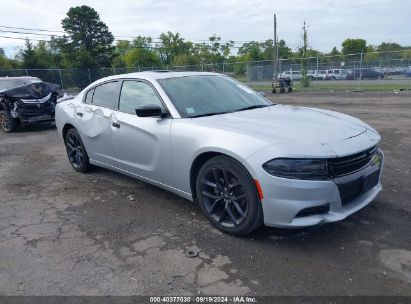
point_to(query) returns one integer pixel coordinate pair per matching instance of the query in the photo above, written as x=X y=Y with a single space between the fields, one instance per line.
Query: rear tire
x=290 y=89
x=76 y=152
x=228 y=196
x=7 y=123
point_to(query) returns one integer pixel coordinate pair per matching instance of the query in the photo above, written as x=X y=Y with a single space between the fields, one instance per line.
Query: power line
x=115 y=36
x=30 y=29
x=37 y=34
x=20 y=38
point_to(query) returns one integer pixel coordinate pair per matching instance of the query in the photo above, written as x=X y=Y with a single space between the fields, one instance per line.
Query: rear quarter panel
x=65 y=114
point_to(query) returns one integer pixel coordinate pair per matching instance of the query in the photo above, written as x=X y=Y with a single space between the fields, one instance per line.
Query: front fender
x=190 y=140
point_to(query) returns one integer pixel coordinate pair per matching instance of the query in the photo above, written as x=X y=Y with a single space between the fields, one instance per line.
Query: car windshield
x=204 y=95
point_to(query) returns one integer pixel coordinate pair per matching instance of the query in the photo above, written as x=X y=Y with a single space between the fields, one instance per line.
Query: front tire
x=7 y=123
x=228 y=196
x=76 y=152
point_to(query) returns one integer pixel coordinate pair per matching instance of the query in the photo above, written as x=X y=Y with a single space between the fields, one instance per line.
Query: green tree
x=214 y=51
x=5 y=63
x=173 y=45
x=88 y=37
x=389 y=47
x=284 y=51
x=38 y=56
x=27 y=56
x=251 y=51
x=353 y=46
x=120 y=50
x=335 y=52
x=254 y=50
x=138 y=52
x=185 y=59
x=390 y=50
x=371 y=54
x=141 y=57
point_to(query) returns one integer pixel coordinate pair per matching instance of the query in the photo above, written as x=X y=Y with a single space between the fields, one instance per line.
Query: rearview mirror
x=150 y=110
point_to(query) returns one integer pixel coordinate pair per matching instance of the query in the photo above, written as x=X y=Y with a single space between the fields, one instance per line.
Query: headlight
x=298 y=168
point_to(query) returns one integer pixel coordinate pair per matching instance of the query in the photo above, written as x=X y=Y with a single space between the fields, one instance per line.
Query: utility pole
x=305 y=81
x=359 y=82
x=275 y=48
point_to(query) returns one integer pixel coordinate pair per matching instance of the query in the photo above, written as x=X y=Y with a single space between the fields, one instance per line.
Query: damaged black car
x=26 y=100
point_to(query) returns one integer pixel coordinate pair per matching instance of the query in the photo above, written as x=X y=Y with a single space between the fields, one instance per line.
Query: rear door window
x=89 y=96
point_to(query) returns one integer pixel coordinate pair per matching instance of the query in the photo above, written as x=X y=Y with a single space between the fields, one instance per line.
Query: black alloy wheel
x=76 y=152
x=228 y=196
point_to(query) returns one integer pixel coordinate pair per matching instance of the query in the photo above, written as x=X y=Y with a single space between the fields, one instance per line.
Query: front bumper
x=291 y=203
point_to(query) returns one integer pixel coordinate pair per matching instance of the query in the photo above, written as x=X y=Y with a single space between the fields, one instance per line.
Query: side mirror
x=150 y=110
x=262 y=94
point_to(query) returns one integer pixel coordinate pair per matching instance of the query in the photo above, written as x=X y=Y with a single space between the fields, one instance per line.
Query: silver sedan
x=212 y=140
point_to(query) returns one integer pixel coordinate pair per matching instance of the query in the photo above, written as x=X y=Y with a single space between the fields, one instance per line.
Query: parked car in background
x=408 y=72
x=321 y=74
x=312 y=74
x=371 y=74
x=350 y=74
x=26 y=100
x=213 y=140
x=293 y=75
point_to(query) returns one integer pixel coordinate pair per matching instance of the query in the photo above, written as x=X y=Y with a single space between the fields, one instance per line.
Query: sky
x=329 y=21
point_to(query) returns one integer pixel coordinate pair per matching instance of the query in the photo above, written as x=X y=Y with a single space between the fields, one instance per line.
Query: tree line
x=88 y=43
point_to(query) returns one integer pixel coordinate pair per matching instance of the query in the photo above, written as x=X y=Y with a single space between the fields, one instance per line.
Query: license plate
x=369 y=181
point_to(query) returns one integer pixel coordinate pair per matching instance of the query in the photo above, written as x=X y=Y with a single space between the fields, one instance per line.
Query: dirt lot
x=65 y=233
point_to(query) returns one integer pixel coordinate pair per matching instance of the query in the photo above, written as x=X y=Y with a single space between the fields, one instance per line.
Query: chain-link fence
x=370 y=71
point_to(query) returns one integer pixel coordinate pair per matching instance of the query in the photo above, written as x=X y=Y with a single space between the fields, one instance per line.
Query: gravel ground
x=101 y=233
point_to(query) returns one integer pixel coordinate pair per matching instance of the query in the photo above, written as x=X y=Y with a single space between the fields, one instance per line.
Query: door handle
x=79 y=114
x=115 y=125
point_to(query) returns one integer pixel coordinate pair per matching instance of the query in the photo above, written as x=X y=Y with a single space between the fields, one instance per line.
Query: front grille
x=349 y=164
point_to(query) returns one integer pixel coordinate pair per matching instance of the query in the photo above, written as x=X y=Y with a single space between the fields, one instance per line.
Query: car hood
x=282 y=124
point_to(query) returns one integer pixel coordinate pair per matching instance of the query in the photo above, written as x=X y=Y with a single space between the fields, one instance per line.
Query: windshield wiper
x=252 y=107
x=207 y=114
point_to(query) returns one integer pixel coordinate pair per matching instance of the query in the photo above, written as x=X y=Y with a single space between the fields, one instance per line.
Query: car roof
x=156 y=75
